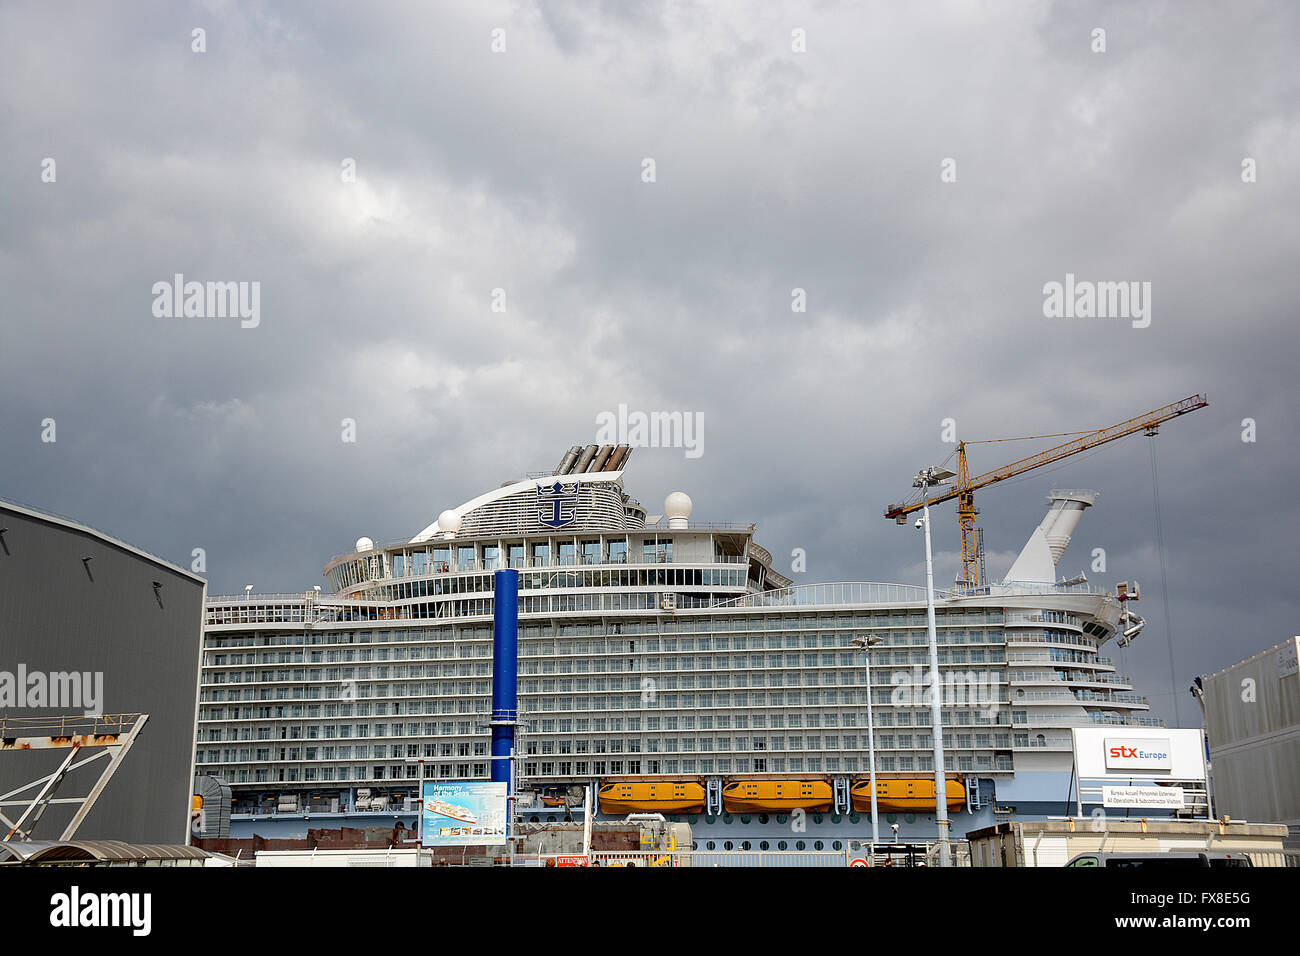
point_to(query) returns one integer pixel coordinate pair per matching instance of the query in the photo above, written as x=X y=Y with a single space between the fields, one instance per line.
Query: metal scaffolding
x=110 y=736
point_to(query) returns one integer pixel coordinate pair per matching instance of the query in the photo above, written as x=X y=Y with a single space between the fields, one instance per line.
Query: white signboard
x=1288 y=658
x=1144 y=798
x=1136 y=752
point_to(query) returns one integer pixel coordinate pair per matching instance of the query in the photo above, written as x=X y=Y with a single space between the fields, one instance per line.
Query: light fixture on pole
x=865 y=644
x=925 y=480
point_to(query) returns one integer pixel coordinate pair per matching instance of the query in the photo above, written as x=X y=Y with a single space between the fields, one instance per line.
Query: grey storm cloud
x=775 y=170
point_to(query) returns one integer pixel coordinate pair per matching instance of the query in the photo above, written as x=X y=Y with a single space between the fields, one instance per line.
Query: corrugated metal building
x=1252 y=717
x=74 y=601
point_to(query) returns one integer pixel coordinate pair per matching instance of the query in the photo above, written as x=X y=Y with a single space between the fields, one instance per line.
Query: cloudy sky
x=795 y=146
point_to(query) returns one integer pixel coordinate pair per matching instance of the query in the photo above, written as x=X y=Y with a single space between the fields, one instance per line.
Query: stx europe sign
x=1163 y=755
x=1126 y=753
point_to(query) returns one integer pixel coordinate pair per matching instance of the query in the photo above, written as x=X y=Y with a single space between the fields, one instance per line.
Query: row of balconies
x=1050 y=618
x=1003 y=742
x=882 y=675
x=555 y=771
x=1042 y=742
x=1051 y=677
x=1080 y=695
x=1085 y=720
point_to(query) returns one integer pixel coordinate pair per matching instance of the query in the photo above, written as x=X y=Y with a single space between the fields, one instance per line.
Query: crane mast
x=964 y=491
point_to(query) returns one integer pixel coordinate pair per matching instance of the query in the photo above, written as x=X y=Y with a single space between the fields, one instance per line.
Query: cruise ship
x=665 y=665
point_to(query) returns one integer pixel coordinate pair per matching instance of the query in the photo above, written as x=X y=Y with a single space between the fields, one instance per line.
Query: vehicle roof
x=1157 y=854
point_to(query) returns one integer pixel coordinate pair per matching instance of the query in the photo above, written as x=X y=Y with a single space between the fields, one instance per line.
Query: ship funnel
x=584 y=459
x=1062 y=517
x=1038 y=559
x=618 y=457
x=568 y=460
x=593 y=458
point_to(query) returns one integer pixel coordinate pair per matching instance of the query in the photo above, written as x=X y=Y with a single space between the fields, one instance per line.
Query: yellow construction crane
x=964 y=491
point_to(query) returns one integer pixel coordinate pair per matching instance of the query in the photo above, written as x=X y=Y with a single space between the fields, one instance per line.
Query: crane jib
x=966 y=486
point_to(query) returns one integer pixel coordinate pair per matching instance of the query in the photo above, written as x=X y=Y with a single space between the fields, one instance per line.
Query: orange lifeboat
x=905 y=795
x=659 y=796
x=759 y=796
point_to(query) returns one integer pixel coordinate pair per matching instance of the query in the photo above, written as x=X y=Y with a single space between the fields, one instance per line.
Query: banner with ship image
x=463 y=814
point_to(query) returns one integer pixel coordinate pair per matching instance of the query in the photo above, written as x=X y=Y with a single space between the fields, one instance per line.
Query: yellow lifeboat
x=905 y=796
x=660 y=796
x=758 y=796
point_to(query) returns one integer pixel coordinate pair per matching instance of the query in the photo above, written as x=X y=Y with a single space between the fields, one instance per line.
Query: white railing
x=1020 y=587
x=425 y=547
x=842 y=593
x=1047 y=743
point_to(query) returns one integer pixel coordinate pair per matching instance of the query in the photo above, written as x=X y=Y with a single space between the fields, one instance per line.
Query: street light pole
x=866 y=643
x=928 y=477
x=419 y=818
x=419 y=805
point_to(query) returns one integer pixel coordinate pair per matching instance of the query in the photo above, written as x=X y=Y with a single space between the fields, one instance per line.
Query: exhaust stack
x=592 y=458
x=584 y=459
x=568 y=460
x=618 y=457
x=1062 y=518
x=1038 y=558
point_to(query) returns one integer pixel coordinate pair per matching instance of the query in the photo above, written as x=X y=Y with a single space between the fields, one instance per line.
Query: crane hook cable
x=993 y=441
x=1164 y=583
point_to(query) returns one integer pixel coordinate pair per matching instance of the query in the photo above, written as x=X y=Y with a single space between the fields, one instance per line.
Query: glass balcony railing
x=842 y=594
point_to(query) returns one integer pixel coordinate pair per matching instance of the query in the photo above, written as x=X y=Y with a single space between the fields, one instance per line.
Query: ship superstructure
x=664 y=663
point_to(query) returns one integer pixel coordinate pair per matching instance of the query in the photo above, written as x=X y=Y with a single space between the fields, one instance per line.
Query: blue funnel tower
x=505 y=670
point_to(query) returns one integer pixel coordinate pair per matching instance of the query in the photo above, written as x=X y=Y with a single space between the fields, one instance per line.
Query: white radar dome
x=364 y=544
x=677 y=507
x=449 y=521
